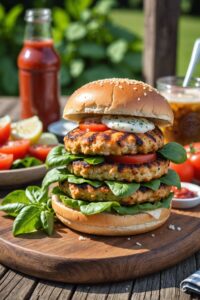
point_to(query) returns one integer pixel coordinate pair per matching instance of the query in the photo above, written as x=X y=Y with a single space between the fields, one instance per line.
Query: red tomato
x=193 y=153
x=19 y=148
x=4 y=133
x=93 y=127
x=40 y=151
x=133 y=159
x=6 y=161
x=184 y=170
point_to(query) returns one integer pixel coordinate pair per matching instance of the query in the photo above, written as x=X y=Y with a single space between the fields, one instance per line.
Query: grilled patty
x=120 y=172
x=112 y=142
x=89 y=193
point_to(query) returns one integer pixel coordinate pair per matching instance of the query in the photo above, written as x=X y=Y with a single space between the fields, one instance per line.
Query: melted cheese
x=128 y=124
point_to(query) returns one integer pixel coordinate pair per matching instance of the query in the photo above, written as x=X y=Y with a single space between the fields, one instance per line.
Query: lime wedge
x=5 y=120
x=28 y=129
x=47 y=138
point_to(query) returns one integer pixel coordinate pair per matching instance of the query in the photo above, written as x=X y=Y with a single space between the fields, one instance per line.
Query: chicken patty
x=112 y=142
x=120 y=172
x=89 y=193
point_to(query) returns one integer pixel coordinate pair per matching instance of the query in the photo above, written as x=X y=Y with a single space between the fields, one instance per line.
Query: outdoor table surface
x=163 y=285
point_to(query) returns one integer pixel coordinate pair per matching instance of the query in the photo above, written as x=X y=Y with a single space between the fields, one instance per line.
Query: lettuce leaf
x=91 y=208
x=174 y=152
x=58 y=157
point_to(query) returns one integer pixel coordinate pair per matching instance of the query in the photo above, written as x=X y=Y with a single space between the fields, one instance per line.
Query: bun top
x=118 y=96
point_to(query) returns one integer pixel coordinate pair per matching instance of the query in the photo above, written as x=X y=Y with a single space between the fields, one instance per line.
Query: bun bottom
x=106 y=223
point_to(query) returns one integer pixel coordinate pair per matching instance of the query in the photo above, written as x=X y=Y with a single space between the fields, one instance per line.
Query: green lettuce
x=91 y=208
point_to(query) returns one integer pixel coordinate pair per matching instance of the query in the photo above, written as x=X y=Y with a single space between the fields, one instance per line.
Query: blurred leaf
x=76 y=31
x=76 y=67
x=65 y=76
x=60 y=17
x=93 y=25
x=85 y=15
x=120 y=32
x=92 y=50
x=12 y=16
x=75 y=7
x=99 y=72
x=103 y=7
x=2 y=12
x=134 y=60
x=57 y=35
x=9 y=77
x=117 y=50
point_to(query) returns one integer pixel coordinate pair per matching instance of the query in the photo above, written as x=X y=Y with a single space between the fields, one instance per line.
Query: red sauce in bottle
x=39 y=65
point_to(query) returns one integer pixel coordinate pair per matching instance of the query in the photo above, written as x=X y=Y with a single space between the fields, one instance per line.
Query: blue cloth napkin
x=191 y=284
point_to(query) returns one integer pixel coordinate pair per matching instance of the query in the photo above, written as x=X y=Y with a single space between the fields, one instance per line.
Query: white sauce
x=154 y=213
x=128 y=124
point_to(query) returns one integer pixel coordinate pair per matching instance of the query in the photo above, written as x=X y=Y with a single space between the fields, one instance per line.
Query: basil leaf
x=47 y=220
x=17 y=196
x=153 y=184
x=81 y=180
x=58 y=156
x=35 y=194
x=55 y=175
x=167 y=201
x=57 y=191
x=26 y=162
x=27 y=221
x=174 y=152
x=122 y=189
x=96 y=208
x=76 y=204
x=94 y=160
x=127 y=210
x=171 y=178
x=12 y=209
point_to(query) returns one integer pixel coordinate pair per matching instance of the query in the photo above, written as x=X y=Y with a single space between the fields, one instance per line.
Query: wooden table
x=162 y=285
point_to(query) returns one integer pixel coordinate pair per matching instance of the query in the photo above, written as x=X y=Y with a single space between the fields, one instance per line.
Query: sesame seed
x=153 y=235
x=145 y=94
x=135 y=89
x=138 y=99
x=120 y=86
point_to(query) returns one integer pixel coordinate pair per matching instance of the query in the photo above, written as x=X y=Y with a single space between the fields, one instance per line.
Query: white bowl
x=187 y=202
x=17 y=177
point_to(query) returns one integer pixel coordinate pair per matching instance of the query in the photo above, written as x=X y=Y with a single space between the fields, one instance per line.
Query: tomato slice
x=133 y=159
x=19 y=148
x=5 y=133
x=93 y=127
x=6 y=161
x=40 y=151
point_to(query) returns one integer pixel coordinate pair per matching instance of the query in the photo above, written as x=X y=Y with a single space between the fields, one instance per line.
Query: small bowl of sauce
x=187 y=197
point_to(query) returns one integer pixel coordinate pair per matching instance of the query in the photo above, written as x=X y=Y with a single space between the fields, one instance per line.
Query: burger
x=112 y=174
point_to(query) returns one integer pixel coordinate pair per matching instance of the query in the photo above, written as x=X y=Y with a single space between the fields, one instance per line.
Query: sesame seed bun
x=107 y=223
x=118 y=97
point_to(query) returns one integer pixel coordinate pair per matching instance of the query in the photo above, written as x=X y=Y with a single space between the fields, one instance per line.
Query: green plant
x=11 y=36
x=91 y=46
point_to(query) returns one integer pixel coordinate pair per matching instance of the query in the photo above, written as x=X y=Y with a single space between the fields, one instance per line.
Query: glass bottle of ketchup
x=39 y=66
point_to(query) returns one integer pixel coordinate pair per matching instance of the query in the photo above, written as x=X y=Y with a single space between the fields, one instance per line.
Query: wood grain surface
x=70 y=257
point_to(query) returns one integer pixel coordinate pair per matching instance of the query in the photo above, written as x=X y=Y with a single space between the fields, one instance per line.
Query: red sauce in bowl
x=183 y=193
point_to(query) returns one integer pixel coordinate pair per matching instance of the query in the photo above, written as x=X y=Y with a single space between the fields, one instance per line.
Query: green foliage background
x=91 y=46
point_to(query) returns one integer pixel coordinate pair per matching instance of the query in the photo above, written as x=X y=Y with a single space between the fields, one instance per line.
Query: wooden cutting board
x=72 y=257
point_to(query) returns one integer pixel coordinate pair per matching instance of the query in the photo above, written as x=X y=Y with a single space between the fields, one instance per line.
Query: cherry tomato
x=4 y=133
x=93 y=127
x=40 y=151
x=184 y=170
x=18 y=148
x=6 y=161
x=193 y=153
x=133 y=159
